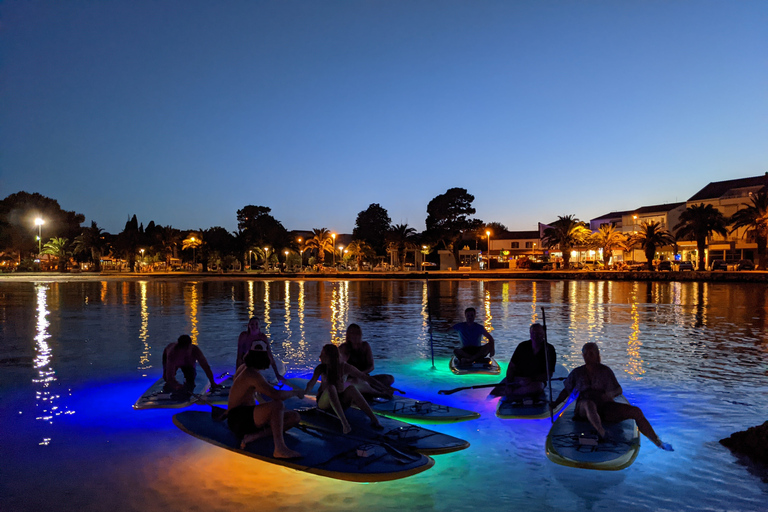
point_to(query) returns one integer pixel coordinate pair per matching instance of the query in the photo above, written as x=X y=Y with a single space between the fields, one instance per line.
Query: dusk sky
x=182 y=112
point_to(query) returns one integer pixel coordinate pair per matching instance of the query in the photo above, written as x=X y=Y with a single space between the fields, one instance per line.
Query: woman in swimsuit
x=356 y=352
x=333 y=393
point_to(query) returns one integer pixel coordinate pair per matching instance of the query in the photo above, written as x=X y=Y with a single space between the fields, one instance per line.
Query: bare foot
x=249 y=438
x=287 y=453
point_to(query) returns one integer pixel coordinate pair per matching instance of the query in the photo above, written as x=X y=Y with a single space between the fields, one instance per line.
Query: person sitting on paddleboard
x=250 y=421
x=358 y=353
x=527 y=370
x=183 y=355
x=253 y=339
x=333 y=393
x=597 y=386
x=471 y=335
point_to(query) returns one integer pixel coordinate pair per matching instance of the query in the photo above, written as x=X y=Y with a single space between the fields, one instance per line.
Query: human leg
x=353 y=395
x=588 y=409
x=190 y=373
x=273 y=414
x=615 y=412
x=330 y=397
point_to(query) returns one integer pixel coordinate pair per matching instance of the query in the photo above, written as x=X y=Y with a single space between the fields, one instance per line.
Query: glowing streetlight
x=194 y=257
x=488 y=233
x=39 y=223
x=333 y=235
x=250 y=260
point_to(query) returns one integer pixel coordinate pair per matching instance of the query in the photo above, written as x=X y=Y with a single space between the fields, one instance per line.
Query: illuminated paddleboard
x=323 y=453
x=571 y=442
x=155 y=397
x=531 y=407
x=487 y=366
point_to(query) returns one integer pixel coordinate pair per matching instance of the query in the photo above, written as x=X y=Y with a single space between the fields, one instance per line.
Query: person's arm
x=261 y=386
x=242 y=349
x=204 y=365
x=368 y=358
x=272 y=361
x=315 y=376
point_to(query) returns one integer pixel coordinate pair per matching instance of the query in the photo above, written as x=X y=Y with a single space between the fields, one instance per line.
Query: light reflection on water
x=692 y=355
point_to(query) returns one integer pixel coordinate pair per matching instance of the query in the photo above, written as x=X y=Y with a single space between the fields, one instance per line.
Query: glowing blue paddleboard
x=323 y=453
x=573 y=442
x=155 y=397
x=487 y=366
x=532 y=407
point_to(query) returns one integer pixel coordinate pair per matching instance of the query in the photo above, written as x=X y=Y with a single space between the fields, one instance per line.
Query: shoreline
x=751 y=276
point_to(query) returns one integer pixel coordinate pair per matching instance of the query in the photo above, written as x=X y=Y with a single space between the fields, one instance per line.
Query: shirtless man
x=356 y=352
x=183 y=355
x=250 y=421
x=253 y=339
x=597 y=387
x=527 y=370
x=470 y=335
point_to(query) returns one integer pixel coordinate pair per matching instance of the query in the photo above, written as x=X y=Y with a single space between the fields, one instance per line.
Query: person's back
x=183 y=355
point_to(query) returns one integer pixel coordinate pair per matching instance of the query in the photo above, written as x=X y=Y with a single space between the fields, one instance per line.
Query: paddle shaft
x=452 y=391
x=546 y=362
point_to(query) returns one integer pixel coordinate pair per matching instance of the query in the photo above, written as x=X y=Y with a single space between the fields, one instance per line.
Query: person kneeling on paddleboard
x=527 y=371
x=471 y=334
x=597 y=387
x=333 y=393
x=183 y=355
x=250 y=421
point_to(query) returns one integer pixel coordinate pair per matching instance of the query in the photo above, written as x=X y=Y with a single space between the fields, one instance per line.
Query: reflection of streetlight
x=39 y=223
x=489 y=248
x=333 y=235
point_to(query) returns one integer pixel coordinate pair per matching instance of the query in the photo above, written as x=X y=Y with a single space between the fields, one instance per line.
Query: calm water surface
x=74 y=356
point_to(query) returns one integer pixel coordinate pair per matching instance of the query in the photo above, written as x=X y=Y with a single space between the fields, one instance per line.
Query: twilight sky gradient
x=184 y=111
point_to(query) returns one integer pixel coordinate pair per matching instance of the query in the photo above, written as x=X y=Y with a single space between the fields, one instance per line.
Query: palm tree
x=170 y=238
x=650 y=236
x=193 y=241
x=565 y=233
x=608 y=238
x=58 y=248
x=321 y=241
x=400 y=237
x=360 y=250
x=699 y=222
x=754 y=217
x=91 y=240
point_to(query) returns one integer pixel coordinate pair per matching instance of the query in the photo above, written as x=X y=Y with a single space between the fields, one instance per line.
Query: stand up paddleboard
x=574 y=442
x=397 y=433
x=487 y=366
x=530 y=408
x=154 y=397
x=220 y=396
x=323 y=453
x=408 y=409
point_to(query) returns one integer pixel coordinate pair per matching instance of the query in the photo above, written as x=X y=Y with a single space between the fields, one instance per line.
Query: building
x=728 y=197
x=508 y=247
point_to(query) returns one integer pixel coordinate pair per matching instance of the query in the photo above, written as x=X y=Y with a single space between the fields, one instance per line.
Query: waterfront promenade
x=557 y=275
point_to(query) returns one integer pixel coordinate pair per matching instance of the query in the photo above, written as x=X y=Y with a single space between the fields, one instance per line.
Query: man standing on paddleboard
x=597 y=387
x=471 y=335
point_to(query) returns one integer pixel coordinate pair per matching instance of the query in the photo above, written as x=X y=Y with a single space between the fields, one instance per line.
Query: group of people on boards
x=345 y=377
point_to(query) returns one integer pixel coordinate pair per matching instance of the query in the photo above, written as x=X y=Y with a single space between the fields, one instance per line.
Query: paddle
x=429 y=319
x=479 y=386
x=452 y=391
x=546 y=362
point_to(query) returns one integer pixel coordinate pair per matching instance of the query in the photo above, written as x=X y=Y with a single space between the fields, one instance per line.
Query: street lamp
x=39 y=223
x=142 y=256
x=250 y=260
x=286 y=260
x=266 y=258
x=488 y=232
x=194 y=258
x=333 y=235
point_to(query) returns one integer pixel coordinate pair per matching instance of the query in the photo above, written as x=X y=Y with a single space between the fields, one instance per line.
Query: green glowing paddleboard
x=571 y=442
x=154 y=397
x=402 y=435
x=408 y=409
x=487 y=366
x=323 y=453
